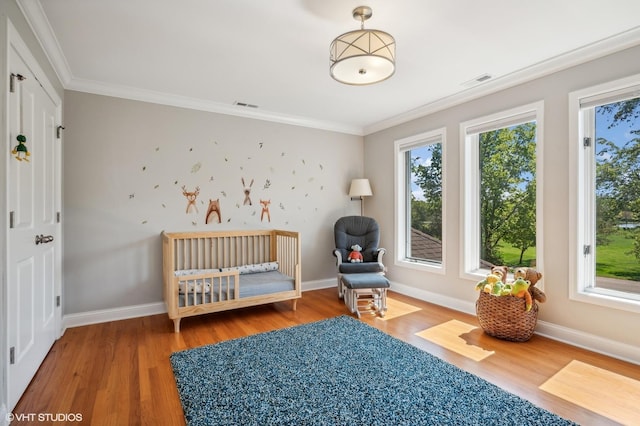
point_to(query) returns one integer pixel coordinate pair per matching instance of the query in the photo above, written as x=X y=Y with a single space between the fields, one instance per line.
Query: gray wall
x=553 y=90
x=126 y=162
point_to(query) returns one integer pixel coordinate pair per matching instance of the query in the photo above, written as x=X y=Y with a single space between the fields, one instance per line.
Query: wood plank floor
x=118 y=373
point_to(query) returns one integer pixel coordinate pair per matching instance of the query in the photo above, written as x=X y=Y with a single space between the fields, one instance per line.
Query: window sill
x=607 y=298
x=420 y=266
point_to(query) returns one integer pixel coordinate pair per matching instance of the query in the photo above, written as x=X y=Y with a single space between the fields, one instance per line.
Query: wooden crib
x=206 y=272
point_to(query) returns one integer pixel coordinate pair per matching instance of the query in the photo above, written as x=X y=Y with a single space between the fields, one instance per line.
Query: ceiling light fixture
x=363 y=56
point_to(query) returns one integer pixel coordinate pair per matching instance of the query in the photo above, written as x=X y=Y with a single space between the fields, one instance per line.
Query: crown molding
x=35 y=16
x=561 y=62
x=133 y=93
x=37 y=20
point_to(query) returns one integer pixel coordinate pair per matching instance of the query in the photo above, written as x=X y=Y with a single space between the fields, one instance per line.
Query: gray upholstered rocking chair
x=364 y=231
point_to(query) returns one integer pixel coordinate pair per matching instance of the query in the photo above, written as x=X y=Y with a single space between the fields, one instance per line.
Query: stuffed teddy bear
x=501 y=271
x=533 y=276
x=354 y=255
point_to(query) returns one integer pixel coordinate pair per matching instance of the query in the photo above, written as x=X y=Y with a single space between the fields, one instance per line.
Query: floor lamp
x=360 y=188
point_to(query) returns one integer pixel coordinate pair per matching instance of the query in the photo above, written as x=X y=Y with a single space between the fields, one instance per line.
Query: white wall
x=126 y=161
x=559 y=313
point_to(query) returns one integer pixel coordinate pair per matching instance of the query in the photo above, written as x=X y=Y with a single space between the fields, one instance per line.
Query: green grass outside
x=511 y=256
x=612 y=259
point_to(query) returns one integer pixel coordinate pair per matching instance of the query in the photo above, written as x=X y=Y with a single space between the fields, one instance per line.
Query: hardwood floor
x=118 y=373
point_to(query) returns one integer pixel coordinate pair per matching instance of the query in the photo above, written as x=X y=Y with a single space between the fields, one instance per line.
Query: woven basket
x=505 y=317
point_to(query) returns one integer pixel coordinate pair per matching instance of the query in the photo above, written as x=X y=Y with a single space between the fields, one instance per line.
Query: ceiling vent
x=477 y=80
x=244 y=104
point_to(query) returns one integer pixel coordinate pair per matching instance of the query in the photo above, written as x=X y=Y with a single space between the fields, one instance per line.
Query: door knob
x=43 y=239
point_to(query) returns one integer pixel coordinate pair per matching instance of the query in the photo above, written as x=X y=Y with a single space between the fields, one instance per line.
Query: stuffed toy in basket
x=508 y=310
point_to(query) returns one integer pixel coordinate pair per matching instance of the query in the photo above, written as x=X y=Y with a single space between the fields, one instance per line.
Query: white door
x=33 y=242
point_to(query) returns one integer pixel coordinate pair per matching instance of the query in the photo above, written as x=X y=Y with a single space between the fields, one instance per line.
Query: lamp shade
x=363 y=56
x=360 y=188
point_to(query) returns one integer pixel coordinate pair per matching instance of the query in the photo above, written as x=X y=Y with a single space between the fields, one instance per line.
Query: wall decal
x=267 y=171
x=191 y=198
x=265 y=210
x=247 y=192
x=20 y=151
x=214 y=208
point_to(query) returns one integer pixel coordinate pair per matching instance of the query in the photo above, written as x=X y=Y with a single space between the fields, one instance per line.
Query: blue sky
x=424 y=152
x=620 y=134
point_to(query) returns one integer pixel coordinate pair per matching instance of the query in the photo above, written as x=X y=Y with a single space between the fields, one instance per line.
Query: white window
x=419 y=201
x=605 y=178
x=501 y=187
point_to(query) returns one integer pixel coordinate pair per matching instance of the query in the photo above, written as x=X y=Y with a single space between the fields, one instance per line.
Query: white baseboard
x=570 y=336
x=563 y=334
x=435 y=298
x=115 y=314
x=590 y=342
x=126 y=312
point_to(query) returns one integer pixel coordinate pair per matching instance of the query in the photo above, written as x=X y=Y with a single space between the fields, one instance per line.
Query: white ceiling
x=208 y=54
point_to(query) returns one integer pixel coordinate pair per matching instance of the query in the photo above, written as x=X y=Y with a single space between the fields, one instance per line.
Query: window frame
x=401 y=146
x=470 y=182
x=582 y=105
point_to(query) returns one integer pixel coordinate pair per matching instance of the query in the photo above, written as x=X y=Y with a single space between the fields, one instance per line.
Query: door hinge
x=586 y=142
x=12 y=81
x=12 y=218
x=12 y=355
x=59 y=130
x=57 y=217
x=57 y=301
x=586 y=250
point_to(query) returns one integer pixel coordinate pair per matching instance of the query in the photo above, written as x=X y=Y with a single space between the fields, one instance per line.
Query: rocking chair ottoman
x=367 y=291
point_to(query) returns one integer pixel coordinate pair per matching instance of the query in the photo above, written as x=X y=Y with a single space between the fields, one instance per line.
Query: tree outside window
x=419 y=182
x=507 y=162
x=617 y=195
x=424 y=241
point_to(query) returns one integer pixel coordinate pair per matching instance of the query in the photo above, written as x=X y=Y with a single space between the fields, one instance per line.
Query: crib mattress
x=257 y=284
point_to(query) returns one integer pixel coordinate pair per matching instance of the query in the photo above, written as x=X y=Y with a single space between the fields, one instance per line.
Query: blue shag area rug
x=338 y=371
